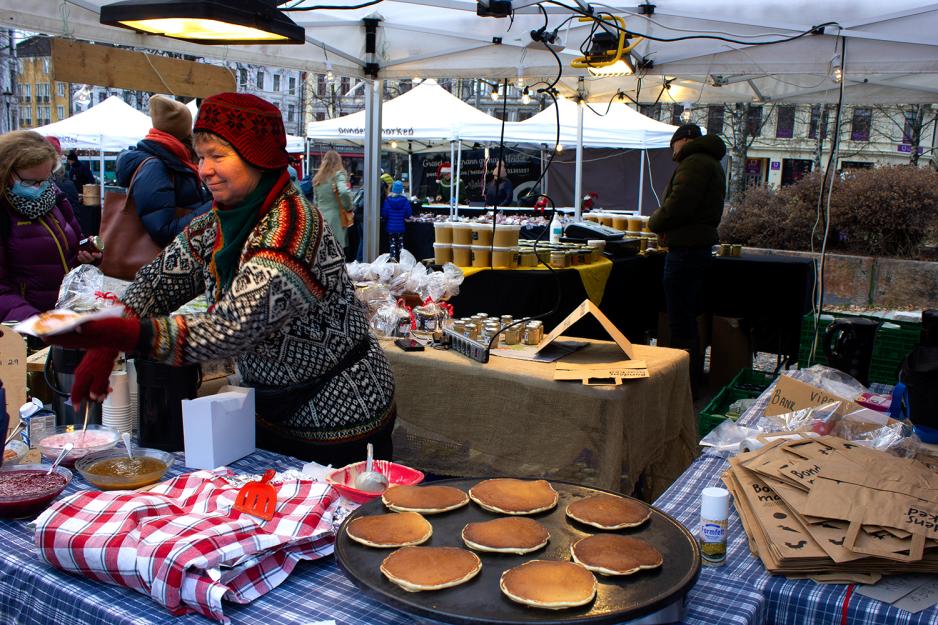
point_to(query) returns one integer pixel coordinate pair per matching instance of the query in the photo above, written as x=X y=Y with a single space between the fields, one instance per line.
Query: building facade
x=282 y=87
x=784 y=142
x=41 y=100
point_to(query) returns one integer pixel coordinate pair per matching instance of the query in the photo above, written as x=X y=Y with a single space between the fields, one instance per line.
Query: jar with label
x=505 y=320
x=533 y=332
x=459 y=326
x=474 y=330
x=512 y=335
x=490 y=334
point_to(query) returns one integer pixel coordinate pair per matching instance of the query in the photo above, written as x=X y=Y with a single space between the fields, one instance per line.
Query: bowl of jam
x=97 y=438
x=27 y=489
x=112 y=469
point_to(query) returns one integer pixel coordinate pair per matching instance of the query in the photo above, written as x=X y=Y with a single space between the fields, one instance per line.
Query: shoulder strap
x=137 y=171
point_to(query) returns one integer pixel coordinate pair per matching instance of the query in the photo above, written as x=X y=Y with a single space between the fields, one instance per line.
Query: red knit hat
x=251 y=124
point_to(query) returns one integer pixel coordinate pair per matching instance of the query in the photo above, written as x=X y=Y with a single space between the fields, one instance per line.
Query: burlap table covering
x=509 y=417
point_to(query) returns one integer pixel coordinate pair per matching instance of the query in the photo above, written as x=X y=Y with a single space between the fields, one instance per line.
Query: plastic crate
x=890 y=347
x=748 y=384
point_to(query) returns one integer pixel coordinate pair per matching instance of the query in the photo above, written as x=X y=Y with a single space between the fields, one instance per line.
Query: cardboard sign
x=13 y=372
x=602 y=373
x=790 y=395
x=589 y=308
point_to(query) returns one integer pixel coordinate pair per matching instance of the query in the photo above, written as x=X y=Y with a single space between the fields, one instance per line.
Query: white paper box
x=218 y=429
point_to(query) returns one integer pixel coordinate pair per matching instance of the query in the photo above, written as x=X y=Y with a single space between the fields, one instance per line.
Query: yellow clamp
x=608 y=57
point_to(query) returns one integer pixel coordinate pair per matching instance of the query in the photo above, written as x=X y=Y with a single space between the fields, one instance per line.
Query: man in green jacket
x=687 y=223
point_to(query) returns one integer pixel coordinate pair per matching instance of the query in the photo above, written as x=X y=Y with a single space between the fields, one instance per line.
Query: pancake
x=510 y=496
x=549 y=584
x=506 y=535
x=612 y=554
x=424 y=499
x=609 y=512
x=397 y=529
x=430 y=568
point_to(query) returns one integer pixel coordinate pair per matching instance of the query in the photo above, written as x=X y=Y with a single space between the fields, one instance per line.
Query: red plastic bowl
x=397 y=474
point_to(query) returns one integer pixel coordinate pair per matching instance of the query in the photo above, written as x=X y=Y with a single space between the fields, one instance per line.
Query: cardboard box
x=218 y=429
x=790 y=395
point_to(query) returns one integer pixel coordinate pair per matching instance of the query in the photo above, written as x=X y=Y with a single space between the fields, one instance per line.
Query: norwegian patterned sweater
x=289 y=316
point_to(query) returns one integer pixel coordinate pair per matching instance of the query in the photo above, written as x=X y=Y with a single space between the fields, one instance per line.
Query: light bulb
x=495 y=93
x=520 y=82
x=685 y=116
x=394 y=145
x=330 y=76
x=525 y=97
x=838 y=74
x=559 y=148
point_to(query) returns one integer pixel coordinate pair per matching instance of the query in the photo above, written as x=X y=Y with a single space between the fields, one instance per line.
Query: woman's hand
x=89 y=258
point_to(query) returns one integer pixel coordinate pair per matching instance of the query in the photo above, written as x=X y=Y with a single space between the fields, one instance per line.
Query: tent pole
x=641 y=181
x=410 y=171
x=578 y=185
x=306 y=171
x=101 y=167
x=543 y=177
x=452 y=197
x=458 y=174
x=372 y=173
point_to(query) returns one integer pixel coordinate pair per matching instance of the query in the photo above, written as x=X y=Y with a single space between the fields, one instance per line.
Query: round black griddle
x=480 y=600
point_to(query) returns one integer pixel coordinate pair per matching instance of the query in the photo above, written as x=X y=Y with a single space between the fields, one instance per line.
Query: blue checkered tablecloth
x=787 y=602
x=32 y=593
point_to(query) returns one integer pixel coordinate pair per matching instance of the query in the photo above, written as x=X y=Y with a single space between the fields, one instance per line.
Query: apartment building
x=41 y=100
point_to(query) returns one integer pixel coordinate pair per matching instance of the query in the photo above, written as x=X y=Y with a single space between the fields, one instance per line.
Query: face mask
x=29 y=193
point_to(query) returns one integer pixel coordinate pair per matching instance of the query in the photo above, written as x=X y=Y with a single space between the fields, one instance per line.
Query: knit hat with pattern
x=252 y=125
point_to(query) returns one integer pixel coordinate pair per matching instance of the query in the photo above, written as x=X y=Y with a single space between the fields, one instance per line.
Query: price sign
x=13 y=372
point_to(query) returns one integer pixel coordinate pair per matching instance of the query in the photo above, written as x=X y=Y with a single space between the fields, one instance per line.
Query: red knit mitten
x=92 y=377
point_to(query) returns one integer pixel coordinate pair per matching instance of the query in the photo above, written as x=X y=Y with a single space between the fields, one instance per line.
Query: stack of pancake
x=537 y=583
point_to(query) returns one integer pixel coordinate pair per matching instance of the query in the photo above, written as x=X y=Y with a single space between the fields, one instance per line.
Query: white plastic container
x=462 y=233
x=556 y=229
x=443 y=231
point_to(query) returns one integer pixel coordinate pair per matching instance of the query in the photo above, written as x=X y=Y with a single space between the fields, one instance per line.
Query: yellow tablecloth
x=594 y=276
x=509 y=417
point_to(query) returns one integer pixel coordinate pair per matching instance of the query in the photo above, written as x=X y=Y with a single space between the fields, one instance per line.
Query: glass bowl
x=14 y=453
x=113 y=470
x=25 y=490
x=98 y=438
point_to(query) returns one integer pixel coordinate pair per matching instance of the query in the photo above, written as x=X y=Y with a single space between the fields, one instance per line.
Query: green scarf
x=236 y=224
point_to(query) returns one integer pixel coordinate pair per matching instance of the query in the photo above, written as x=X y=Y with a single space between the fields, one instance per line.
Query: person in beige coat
x=333 y=197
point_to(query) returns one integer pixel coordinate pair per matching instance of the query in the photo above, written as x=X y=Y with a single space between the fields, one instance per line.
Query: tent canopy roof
x=112 y=125
x=892 y=48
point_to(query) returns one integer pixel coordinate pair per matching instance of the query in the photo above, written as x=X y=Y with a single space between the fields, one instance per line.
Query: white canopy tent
x=891 y=51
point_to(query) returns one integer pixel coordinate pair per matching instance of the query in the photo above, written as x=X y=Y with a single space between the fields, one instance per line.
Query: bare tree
x=910 y=122
x=740 y=130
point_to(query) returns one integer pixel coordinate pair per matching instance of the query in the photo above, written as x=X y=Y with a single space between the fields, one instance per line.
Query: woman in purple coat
x=38 y=231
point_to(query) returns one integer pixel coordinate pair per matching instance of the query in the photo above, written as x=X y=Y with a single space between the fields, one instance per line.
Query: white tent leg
x=101 y=168
x=458 y=173
x=641 y=181
x=306 y=171
x=578 y=184
x=410 y=172
x=543 y=176
x=372 y=173
x=452 y=195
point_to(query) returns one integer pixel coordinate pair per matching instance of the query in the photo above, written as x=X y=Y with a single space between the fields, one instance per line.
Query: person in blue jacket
x=395 y=210
x=167 y=192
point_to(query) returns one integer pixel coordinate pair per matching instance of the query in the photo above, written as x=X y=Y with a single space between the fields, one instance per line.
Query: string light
x=559 y=148
x=686 y=114
x=525 y=96
x=394 y=145
x=330 y=76
x=495 y=92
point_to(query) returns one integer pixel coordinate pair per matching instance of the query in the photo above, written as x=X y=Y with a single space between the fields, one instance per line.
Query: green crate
x=889 y=349
x=753 y=380
x=715 y=412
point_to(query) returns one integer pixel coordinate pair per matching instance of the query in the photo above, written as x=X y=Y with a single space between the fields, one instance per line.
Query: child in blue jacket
x=395 y=210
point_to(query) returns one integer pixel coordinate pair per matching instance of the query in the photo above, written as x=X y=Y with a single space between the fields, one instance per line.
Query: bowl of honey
x=114 y=470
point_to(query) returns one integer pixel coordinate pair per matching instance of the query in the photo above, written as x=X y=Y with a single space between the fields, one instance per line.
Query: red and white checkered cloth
x=183 y=544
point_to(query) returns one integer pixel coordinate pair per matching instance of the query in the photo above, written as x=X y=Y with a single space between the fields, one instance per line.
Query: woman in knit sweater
x=282 y=303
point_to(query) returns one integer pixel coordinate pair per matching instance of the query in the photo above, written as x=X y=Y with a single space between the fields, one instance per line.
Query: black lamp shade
x=209 y=22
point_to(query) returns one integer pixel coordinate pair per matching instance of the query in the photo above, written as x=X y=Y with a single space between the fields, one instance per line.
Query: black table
x=771 y=293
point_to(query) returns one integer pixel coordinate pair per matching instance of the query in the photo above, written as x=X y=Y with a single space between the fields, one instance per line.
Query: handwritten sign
x=13 y=371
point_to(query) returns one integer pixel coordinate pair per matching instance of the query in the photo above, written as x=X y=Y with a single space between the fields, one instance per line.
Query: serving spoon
x=371 y=481
x=126 y=438
x=65 y=449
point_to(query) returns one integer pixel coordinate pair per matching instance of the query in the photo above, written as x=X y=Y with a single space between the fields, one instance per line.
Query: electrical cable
x=651 y=180
x=325 y=7
x=817 y=301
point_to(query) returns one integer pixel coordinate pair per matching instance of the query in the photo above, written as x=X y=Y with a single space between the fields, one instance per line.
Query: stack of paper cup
x=115 y=413
x=132 y=383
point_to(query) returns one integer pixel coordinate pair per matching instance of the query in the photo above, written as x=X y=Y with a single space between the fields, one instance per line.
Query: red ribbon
x=107 y=295
x=445 y=306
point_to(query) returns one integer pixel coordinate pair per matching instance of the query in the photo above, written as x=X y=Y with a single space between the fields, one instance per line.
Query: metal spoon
x=371 y=481
x=67 y=448
x=84 y=428
x=126 y=438
x=16 y=430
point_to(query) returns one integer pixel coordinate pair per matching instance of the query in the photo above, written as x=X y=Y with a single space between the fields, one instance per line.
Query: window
x=102 y=96
x=816 y=122
x=26 y=117
x=754 y=121
x=291 y=112
x=860 y=128
x=242 y=78
x=291 y=82
x=45 y=65
x=715 y=120
x=346 y=85
x=260 y=80
x=277 y=82
x=320 y=116
x=785 y=124
x=321 y=84
x=676 y=110
x=60 y=89
x=912 y=124
x=26 y=90
x=60 y=112
x=650 y=110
